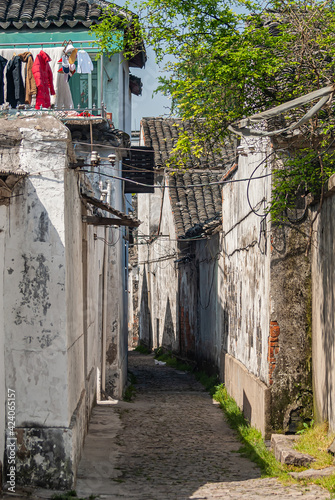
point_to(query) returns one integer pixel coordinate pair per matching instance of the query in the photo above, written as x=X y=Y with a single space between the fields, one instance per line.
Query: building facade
x=63 y=337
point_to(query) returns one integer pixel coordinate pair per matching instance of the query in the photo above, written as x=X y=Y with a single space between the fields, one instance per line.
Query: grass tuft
x=173 y=362
x=209 y=382
x=315 y=441
x=129 y=393
x=253 y=445
x=142 y=349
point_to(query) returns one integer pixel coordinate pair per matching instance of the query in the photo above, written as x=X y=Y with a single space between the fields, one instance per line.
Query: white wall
x=244 y=281
x=3 y=392
x=158 y=279
x=323 y=295
x=52 y=349
x=34 y=284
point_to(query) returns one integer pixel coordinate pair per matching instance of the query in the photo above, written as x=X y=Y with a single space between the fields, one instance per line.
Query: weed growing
x=173 y=362
x=209 y=382
x=253 y=446
x=315 y=441
x=129 y=393
x=142 y=349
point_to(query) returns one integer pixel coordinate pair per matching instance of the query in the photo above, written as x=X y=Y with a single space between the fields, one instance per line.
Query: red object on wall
x=273 y=348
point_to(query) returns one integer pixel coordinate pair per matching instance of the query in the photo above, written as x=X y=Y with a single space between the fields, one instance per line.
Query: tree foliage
x=223 y=65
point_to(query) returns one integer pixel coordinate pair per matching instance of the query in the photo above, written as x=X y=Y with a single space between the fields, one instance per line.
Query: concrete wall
x=36 y=346
x=158 y=279
x=3 y=393
x=252 y=395
x=51 y=292
x=113 y=254
x=323 y=293
x=245 y=268
x=117 y=317
x=265 y=298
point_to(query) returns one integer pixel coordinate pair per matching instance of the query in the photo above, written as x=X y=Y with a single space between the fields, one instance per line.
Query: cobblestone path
x=171 y=443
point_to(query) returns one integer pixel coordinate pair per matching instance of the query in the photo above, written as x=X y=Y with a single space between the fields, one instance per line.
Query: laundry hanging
x=67 y=68
x=44 y=80
x=63 y=97
x=3 y=63
x=85 y=64
x=30 y=84
x=15 y=87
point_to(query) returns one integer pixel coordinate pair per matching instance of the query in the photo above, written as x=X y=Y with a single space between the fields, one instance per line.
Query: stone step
x=282 y=446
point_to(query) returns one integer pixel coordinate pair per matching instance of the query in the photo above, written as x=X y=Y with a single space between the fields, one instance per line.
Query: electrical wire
x=106 y=242
x=251 y=177
x=229 y=181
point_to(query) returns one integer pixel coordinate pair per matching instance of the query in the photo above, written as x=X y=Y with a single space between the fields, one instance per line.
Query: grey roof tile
x=196 y=210
x=28 y=11
x=195 y=207
x=162 y=134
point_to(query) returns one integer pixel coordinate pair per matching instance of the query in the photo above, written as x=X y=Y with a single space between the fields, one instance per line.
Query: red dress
x=43 y=78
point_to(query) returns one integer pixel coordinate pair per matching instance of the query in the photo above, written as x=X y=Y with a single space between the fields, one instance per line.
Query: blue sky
x=148 y=104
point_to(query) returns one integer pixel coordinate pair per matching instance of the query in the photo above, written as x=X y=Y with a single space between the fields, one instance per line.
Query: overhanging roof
x=123 y=219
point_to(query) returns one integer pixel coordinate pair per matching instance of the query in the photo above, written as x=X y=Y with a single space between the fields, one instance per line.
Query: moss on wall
x=291 y=304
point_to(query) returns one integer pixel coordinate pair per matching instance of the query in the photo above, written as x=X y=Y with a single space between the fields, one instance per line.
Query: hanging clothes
x=15 y=87
x=44 y=80
x=63 y=96
x=67 y=69
x=31 y=89
x=85 y=64
x=3 y=63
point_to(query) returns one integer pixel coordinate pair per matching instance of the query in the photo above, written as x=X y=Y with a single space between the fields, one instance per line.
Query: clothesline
x=61 y=67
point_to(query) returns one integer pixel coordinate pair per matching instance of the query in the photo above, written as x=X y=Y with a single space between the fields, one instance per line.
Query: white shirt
x=85 y=64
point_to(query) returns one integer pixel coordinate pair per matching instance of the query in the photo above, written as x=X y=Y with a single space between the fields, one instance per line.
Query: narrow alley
x=172 y=442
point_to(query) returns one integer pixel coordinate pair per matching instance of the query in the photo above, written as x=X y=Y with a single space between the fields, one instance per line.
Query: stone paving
x=172 y=442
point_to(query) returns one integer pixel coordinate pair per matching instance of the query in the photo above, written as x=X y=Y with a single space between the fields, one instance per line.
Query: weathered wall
x=187 y=327
x=117 y=297
x=133 y=292
x=3 y=393
x=265 y=298
x=208 y=346
x=93 y=250
x=35 y=300
x=323 y=292
x=113 y=255
x=51 y=352
x=245 y=266
x=244 y=283
x=158 y=282
x=199 y=325
x=290 y=327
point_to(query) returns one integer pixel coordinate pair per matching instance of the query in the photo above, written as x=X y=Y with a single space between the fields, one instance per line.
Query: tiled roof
x=52 y=14
x=196 y=210
x=162 y=133
x=43 y=13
